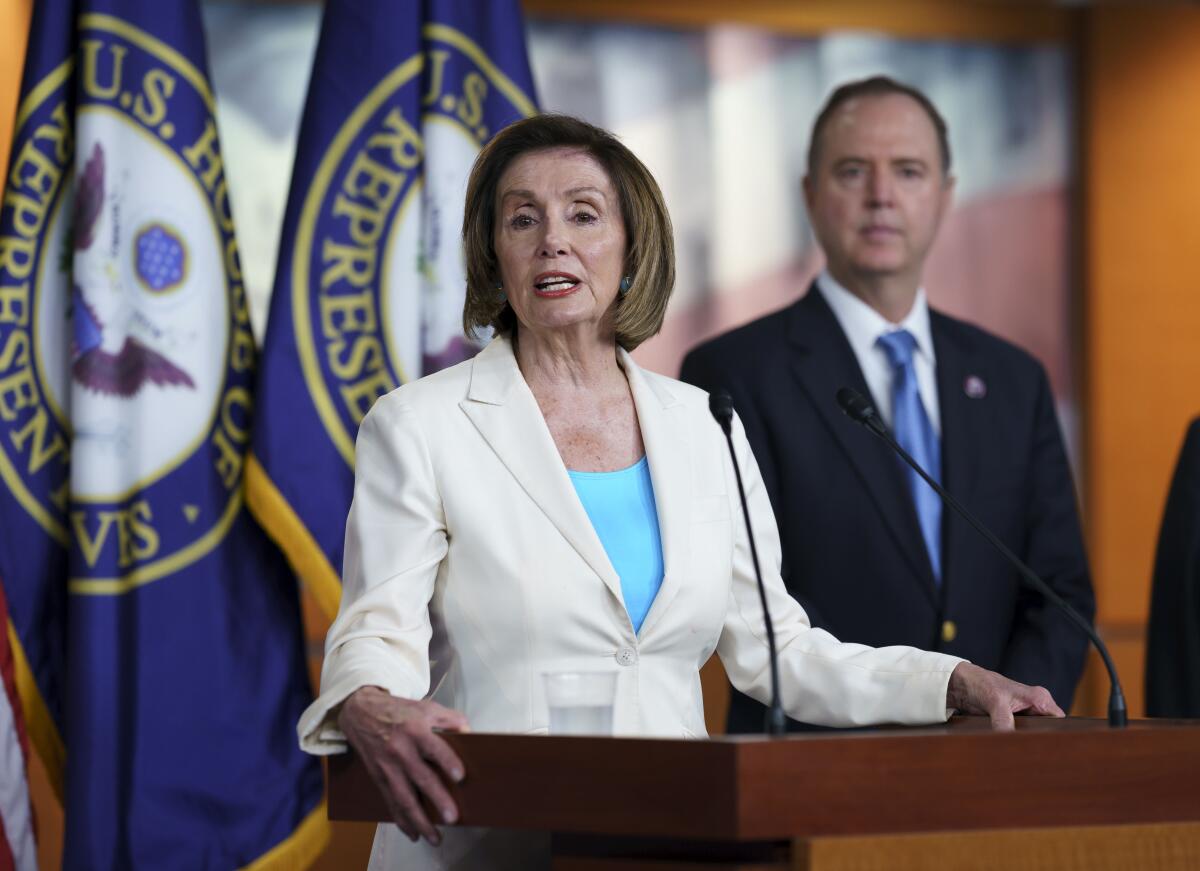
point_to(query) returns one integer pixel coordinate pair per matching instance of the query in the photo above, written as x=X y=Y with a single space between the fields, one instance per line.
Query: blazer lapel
x=668 y=451
x=824 y=362
x=962 y=392
x=504 y=411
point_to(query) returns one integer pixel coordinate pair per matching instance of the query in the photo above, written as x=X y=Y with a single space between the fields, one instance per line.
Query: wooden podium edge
x=1047 y=774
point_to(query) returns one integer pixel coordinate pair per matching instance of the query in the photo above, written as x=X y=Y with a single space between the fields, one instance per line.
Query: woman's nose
x=554 y=239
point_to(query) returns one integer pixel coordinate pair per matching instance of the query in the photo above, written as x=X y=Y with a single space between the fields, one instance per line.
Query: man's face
x=878 y=192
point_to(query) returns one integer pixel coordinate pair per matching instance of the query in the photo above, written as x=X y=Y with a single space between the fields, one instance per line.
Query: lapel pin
x=975 y=387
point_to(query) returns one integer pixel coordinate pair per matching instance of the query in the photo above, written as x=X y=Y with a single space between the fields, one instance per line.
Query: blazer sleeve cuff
x=953 y=663
x=318 y=730
x=931 y=700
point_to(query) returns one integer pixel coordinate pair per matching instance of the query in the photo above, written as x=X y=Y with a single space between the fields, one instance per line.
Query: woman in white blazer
x=476 y=560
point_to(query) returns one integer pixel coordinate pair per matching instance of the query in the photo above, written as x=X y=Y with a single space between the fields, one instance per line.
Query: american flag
x=18 y=850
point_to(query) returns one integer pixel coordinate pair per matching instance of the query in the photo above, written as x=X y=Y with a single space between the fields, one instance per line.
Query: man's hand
x=975 y=690
x=395 y=739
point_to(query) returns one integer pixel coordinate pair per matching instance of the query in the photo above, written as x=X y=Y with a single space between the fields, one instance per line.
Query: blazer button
x=949 y=631
x=626 y=656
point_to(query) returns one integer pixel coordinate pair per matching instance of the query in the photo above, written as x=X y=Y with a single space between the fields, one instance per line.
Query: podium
x=1060 y=794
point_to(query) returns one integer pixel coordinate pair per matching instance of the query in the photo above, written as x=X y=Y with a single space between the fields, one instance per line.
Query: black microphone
x=721 y=406
x=861 y=411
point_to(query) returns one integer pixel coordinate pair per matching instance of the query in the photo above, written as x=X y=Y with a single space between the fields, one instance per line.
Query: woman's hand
x=395 y=739
x=975 y=690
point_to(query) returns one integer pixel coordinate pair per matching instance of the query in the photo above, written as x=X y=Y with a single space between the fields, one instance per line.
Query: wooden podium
x=1055 y=794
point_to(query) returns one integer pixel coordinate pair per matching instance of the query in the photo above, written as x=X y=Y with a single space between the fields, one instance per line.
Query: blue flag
x=370 y=283
x=158 y=636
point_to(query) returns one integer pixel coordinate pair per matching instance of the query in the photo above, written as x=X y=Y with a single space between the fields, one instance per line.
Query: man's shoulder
x=973 y=340
x=762 y=337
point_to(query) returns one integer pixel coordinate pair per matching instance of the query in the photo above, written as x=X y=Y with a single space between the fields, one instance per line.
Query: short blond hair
x=650 y=249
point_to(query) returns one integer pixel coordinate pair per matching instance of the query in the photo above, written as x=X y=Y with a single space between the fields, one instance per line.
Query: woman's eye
x=584 y=218
x=521 y=221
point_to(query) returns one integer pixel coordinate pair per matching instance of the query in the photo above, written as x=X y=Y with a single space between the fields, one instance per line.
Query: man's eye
x=850 y=172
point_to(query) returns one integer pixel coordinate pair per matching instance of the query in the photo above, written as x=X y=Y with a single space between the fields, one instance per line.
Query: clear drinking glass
x=581 y=702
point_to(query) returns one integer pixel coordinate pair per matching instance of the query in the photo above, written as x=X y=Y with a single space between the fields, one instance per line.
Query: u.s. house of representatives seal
x=377 y=273
x=126 y=357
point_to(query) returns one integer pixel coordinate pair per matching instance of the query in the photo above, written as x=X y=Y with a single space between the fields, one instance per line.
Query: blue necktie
x=915 y=433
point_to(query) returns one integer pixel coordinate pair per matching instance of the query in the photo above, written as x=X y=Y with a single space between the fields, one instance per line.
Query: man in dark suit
x=1173 y=636
x=867 y=547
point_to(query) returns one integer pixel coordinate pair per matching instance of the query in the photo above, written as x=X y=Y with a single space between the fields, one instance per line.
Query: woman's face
x=560 y=241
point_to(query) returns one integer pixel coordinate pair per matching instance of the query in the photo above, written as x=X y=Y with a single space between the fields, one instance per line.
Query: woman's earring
x=500 y=294
x=624 y=286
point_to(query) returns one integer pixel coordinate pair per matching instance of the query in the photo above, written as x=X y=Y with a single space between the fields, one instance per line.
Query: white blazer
x=471 y=568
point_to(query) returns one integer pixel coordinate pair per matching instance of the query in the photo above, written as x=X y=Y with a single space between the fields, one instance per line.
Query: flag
x=370 y=283
x=158 y=645
x=18 y=850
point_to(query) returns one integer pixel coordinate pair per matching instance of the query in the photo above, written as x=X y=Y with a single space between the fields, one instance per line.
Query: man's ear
x=948 y=188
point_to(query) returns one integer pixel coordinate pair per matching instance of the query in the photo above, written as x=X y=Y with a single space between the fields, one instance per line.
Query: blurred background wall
x=1075 y=129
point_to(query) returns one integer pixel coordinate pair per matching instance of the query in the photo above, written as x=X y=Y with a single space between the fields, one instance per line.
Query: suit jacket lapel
x=963 y=430
x=503 y=409
x=823 y=362
x=668 y=450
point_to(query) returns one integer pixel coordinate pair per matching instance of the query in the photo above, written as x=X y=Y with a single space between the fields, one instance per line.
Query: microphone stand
x=859 y=410
x=721 y=406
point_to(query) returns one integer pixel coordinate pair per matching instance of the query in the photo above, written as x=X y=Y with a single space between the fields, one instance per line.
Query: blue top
x=622 y=510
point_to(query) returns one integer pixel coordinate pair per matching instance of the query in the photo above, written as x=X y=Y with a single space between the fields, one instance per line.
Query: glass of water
x=581 y=702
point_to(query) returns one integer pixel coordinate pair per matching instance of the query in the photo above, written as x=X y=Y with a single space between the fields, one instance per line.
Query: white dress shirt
x=863 y=326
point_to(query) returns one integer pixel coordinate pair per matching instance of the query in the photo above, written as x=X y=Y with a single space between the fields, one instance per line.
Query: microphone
x=861 y=411
x=721 y=406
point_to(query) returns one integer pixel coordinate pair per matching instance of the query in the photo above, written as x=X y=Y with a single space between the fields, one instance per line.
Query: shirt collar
x=863 y=325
